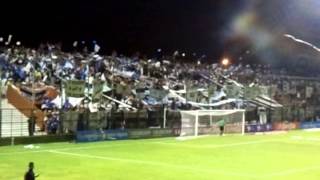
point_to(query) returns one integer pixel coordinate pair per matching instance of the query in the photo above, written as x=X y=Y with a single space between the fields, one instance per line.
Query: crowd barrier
x=277 y=126
x=309 y=125
x=36 y=139
x=122 y=134
x=285 y=126
x=96 y=135
x=253 y=128
x=91 y=136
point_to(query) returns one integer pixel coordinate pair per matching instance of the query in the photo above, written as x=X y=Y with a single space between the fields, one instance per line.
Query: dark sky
x=251 y=30
x=125 y=25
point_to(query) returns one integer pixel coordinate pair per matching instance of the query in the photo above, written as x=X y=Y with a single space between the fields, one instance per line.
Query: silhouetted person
x=30 y=174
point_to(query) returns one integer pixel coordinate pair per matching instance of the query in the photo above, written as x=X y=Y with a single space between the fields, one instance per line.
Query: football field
x=293 y=156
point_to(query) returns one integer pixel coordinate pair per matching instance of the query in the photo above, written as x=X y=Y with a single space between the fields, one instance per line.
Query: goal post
x=201 y=122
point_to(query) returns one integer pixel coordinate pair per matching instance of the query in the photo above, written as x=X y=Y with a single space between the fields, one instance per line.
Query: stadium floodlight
x=225 y=62
x=202 y=122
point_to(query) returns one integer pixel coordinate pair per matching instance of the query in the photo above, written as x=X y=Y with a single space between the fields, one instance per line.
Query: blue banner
x=116 y=134
x=309 y=125
x=268 y=127
x=91 y=136
x=253 y=128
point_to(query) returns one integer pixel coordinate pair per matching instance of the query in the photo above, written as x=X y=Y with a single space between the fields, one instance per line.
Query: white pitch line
x=60 y=149
x=128 y=144
x=153 y=163
x=82 y=148
x=216 y=146
x=292 y=171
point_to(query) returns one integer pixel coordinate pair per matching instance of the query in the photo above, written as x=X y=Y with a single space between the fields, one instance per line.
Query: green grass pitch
x=294 y=155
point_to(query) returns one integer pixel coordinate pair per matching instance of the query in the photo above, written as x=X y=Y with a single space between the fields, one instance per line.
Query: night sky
x=215 y=28
x=124 y=25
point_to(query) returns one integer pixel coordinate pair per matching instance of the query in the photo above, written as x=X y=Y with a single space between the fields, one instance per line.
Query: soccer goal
x=202 y=122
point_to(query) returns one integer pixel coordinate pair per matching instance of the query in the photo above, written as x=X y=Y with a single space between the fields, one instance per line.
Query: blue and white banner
x=253 y=128
x=91 y=136
x=309 y=125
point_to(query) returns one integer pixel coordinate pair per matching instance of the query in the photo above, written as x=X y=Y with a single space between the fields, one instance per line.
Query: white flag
x=75 y=43
x=96 y=48
x=9 y=39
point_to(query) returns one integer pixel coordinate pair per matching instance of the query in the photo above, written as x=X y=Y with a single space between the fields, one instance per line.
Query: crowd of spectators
x=131 y=80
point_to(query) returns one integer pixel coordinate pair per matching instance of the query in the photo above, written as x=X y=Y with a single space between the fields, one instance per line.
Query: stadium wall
x=122 y=134
x=36 y=139
x=285 y=126
x=95 y=135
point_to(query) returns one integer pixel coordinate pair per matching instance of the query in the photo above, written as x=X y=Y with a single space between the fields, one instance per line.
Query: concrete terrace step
x=13 y=122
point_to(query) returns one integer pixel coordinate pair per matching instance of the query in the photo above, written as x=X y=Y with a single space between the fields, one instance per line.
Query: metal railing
x=14 y=123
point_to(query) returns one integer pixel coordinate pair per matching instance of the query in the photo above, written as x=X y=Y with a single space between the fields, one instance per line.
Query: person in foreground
x=30 y=174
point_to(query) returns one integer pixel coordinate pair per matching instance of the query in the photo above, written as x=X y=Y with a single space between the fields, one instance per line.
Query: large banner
x=75 y=88
x=97 y=90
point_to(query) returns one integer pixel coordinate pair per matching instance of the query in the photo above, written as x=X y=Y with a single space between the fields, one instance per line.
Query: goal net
x=201 y=122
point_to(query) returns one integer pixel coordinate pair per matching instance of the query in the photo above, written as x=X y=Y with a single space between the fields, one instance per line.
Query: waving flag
x=302 y=42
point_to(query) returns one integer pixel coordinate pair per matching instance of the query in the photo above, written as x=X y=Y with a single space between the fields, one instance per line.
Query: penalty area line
x=216 y=146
